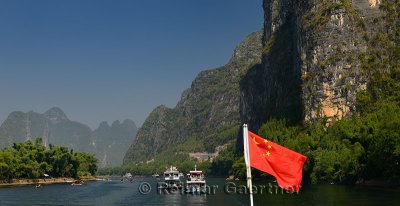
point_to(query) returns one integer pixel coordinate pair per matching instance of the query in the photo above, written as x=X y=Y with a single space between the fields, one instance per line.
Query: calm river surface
x=125 y=193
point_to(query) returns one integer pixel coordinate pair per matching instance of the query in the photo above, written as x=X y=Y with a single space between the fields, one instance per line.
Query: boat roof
x=172 y=171
x=196 y=181
x=196 y=171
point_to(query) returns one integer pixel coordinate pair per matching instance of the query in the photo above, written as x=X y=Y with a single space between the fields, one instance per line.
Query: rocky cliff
x=314 y=63
x=207 y=115
x=311 y=64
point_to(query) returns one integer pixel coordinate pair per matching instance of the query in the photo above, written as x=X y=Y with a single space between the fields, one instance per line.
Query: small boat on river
x=76 y=183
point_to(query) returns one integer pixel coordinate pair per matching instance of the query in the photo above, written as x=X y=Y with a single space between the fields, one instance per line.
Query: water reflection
x=196 y=199
x=171 y=199
x=126 y=193
x=180 y=198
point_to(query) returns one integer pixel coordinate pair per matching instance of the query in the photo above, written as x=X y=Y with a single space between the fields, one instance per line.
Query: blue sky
x=103 y=60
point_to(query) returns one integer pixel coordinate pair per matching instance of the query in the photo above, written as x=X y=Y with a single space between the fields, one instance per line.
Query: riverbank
x=42 y=181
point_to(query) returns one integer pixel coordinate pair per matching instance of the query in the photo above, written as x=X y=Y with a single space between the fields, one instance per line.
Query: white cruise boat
x=195 y=183
x=172 y=179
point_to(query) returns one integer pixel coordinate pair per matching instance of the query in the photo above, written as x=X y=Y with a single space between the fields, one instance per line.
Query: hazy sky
x=106 y=60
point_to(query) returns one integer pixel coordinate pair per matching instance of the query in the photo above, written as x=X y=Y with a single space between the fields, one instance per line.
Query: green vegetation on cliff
x=206 y=118
x=367 y=145
x=322 y=62
x=33 y=160
x=349 y=151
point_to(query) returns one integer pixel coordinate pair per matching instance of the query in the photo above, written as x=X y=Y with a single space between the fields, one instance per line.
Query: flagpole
x=247 y=160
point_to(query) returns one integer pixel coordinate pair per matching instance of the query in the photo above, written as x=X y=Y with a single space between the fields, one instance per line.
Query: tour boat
x=195 y=183
x=172 y=179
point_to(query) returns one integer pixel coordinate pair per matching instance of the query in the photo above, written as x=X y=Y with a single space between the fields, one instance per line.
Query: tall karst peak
x=116 y=123
x=205 y=111
x=248 y=48
x=104 y=124
x=315 y=59
x=113 y=141
x=128 y=122
x=56 y=114
x=15 y=114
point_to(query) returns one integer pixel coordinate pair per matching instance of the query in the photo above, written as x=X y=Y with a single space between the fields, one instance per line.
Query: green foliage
x=222 y=136
x=365 y=147
x=339 y=161
x=368 y=145
x=314 y=19
x=352 y=12
x=178 y=157
x=224 y=162
x=239 y=168
x=278 y=39
x=268 y=46
x=347 y=151
x=28 y=160
x=206 y=117
x=147 y=168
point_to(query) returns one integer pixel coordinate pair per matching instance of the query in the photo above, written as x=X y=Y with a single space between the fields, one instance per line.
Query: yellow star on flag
x=268 y=153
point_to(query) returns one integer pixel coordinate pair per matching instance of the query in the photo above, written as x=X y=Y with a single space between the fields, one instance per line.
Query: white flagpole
x=247 y=160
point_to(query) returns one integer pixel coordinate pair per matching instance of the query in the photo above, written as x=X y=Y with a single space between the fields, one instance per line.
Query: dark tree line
x=33 y=160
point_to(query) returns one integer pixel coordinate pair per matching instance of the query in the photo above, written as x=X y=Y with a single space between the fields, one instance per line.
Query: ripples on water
x=125 y=193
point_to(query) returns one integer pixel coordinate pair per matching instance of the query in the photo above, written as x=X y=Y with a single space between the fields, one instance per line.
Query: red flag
x=284 y=164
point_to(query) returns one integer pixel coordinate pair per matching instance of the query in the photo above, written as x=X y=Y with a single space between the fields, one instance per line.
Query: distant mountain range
x=112 y=142
x=109 y=143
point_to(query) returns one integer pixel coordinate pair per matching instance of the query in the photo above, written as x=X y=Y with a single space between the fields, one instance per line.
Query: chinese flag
x=284 y=164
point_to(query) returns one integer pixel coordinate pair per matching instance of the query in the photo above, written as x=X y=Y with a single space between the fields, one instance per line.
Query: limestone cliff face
x=310 y=65
x=208 y=107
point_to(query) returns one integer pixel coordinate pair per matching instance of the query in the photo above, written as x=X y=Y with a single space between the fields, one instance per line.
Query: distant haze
x=112 y=60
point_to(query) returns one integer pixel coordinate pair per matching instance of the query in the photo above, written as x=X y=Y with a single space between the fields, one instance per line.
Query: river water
x=144 y=192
